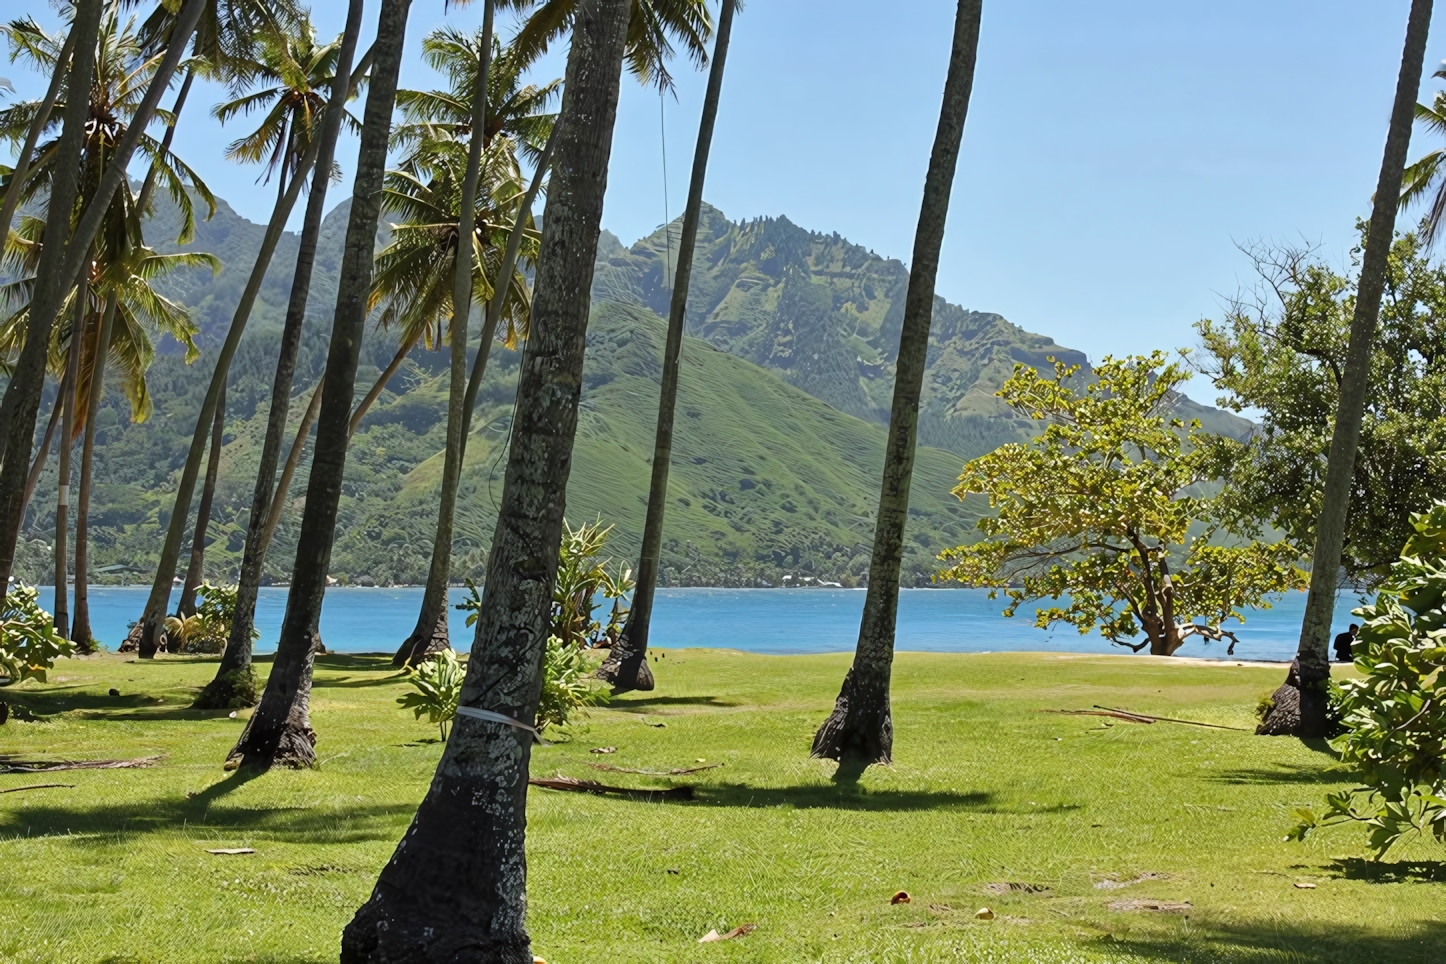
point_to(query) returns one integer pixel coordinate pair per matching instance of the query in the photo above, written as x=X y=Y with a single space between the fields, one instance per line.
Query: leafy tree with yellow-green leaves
x=1096 y=513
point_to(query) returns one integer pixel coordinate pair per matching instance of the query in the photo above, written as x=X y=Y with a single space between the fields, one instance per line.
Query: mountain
x=825 y=315
x=787 y=375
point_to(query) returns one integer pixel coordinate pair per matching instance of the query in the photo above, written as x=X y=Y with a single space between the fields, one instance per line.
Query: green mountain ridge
x=781 y=419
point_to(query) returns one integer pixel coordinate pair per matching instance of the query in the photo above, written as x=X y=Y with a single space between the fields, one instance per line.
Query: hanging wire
x=667 y=222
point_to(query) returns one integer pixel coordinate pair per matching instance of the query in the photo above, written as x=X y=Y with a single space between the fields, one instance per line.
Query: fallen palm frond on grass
x=10 y=764
x=592 y=786
x=1130 y=716
x=681 y=771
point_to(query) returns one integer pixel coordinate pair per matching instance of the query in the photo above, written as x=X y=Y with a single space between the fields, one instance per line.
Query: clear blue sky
x=1115 y=151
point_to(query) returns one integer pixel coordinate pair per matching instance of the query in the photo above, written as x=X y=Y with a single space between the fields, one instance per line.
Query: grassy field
x=986 y=790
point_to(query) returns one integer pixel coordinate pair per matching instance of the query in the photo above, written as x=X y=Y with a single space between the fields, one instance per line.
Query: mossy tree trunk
x=279 y=731
x=627 y=664
x=1311 y=668
x=455 y=888
x=860 y=730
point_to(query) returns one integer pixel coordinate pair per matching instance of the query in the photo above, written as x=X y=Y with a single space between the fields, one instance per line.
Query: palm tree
x=860 y=730
x=294 y=74
x=234 y=683
x=120 y=75
x=227 y=27
x=279 y=731
x=1299 y=706
x=22 y=393
x=1427 y=176
x=300 y=118
x=627 y=664
x=195 y=572
x=416 y=280
x=459 y=880
x=67 y=436
x=517 y=111
x=134 y=314
x=122 y=277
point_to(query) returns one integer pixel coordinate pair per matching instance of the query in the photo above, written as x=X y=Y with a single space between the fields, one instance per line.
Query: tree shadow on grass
x=356 y=661
x=854 y=798
x=347 y=682
x=1394 y=872
x=1258 y=942
x=1299 y=773
x=643 y=705
x=91 y=705
x=209 y=814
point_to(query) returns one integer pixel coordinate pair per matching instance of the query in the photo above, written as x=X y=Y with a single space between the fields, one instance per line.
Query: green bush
x=210 y=627
x=581 y=578
x=568 y=685
x=1395 y=715
x=438 y=681
x=29 y=644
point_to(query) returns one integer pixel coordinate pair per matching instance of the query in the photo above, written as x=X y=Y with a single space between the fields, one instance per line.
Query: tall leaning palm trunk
x=22 y=394
x=57 y=273
x=459 y=879
x=627 y=664
x=80 y=629
x=234 y=683
x=195 y=571
x=860 y=730
x=146 y=635
x=279 y=731
x=430 y=634
x=1299 y=706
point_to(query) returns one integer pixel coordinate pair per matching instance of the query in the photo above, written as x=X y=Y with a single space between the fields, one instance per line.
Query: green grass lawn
x=985 y=790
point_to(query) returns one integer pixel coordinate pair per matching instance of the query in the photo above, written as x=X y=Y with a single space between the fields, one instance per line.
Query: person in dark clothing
x=1343 y=644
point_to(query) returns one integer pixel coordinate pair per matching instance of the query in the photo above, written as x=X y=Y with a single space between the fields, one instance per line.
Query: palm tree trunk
x=279 y=731
x=195 y=572
x=21 y=173
x=22 y=394
x=1299 y=707
x=81 y=632
x=33 y=479
x=860 y=730
x=235 y=684
x=409 y=652
x=56 y=274
x=67 y=439
x=430 y=634
x=147 y=631
x=148 y=187
x=380 y=384
x=293 y=459
x=459 y=880
x=627 y=664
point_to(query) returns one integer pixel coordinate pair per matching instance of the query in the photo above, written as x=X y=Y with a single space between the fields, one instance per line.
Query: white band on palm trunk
x=480 y=714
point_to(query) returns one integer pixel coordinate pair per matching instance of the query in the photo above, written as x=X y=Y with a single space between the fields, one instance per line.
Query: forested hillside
x=781 y=420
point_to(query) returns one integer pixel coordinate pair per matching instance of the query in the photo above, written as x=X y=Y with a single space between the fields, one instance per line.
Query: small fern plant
x=438 y=683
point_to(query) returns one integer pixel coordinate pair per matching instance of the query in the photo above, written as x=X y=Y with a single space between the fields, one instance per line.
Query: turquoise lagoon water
x=360 y=620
